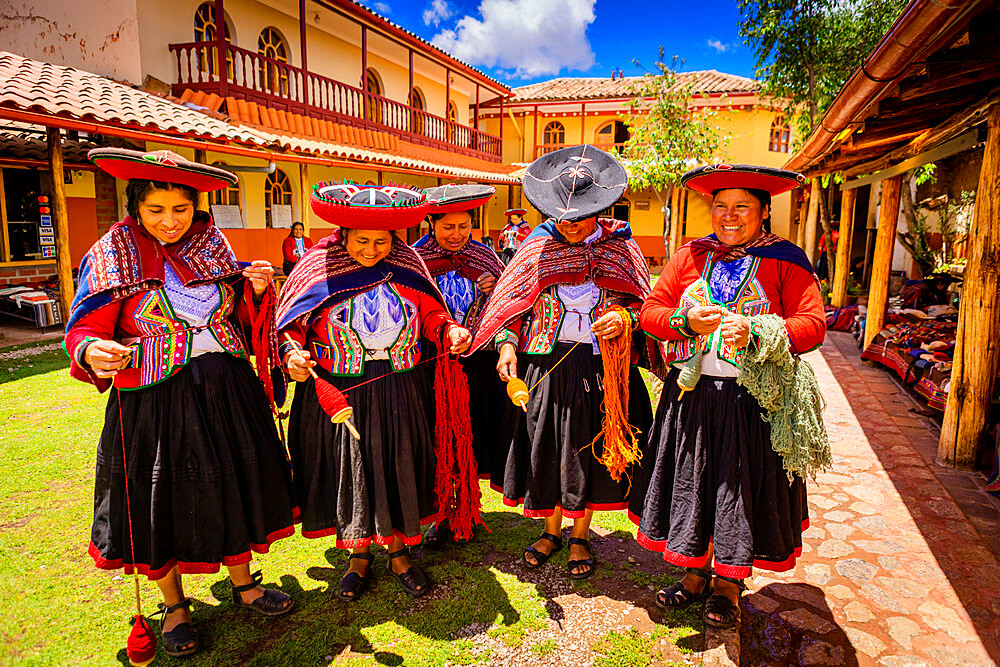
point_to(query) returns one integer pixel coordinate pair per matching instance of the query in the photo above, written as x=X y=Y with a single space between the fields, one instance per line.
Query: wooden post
x=977 y=347
x=305 y=190
x=220 y=48
x=501 y=128
x=534 y=137
x=302 y=53
x=477 y=107
x=800 y=228
x=843 y=269
x=583 y=122
x=364 y=70
x=203 y=201
x=64 y=266
x=808 y=232
x=885 y=240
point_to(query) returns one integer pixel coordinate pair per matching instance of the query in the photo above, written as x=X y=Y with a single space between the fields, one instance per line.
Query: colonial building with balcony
x=546 y=116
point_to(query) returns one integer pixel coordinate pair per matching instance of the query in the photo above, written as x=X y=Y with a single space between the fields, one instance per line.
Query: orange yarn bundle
x=621 y=447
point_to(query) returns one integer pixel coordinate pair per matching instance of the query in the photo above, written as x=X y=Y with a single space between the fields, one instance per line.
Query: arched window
x=612 y=136
x=419 y=104
x=277 y=192
x=273 y=77
x=229 y=196
x=373 y=86
x=205 y=30
x=780 y=135
x=553 y=136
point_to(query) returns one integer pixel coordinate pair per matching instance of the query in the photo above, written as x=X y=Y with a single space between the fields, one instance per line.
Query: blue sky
x=523 y=41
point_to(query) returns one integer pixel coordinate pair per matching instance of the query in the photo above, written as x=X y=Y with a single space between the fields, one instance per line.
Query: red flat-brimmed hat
x=711 y=177
x=165 y=166
x=515 y=211
x=453 y=197
x=384 y=207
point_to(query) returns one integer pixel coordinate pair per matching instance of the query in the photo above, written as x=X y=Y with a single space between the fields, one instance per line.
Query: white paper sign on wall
x=281 y=216
x=227 y=216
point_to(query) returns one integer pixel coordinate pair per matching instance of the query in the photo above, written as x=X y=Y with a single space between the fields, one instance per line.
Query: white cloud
x=718 y=46
x=529 y=37
x=437 y=12
x=382 y=8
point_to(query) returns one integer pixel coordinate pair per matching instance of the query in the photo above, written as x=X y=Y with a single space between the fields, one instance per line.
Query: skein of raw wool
x=621 y=447
x=688 y=378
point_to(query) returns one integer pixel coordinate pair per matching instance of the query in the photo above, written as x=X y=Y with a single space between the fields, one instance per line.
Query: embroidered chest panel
x=460 y=295
x=558 y=302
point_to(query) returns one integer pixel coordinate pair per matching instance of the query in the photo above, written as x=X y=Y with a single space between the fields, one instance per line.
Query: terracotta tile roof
x=27 y=141
x=593 y=88
x=31 y=85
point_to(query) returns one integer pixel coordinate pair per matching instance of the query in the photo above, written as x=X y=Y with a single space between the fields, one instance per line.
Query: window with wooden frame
x=612 y=136
x=20 y=214
x=373 y=86
x=553 y=136
x=229 y=196
x=206 y=30
x=780 y=136
x=277 y=192
x=273 y=77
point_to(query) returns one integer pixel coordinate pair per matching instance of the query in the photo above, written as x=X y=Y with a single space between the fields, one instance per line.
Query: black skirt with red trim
x=490 y=412
x=376 y=488
x=208 y=479
x=714 y=479
x=550 y=463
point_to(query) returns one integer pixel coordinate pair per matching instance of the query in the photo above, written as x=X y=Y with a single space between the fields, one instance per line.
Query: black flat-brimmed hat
x=452 y=197
x=372 y=207
x=711 y=177
x=574 y=183
x=165 y=166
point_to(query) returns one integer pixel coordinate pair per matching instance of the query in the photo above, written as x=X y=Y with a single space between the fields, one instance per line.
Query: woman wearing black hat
x=718 y=490
x=166 y=316
x=574 y=280
x=466 y=272
x=363 y=312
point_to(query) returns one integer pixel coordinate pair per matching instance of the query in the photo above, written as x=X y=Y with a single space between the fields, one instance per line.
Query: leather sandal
x=182 y=634
x=677 y=596
x=719 y=605
x=588 y=562
x=540 y=557
x=352 y=584
x=438 y=535
x=413 y=580
x=271 y=603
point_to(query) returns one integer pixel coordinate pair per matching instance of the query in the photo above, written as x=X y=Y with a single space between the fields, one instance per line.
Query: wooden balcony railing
x=614 y=149
x=272 y=83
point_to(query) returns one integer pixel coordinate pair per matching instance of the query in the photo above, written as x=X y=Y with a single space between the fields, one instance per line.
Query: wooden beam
x=201 y=157
x=809 y=233
x=800 y=224
x=305 y=190
x=843 y=268
x=220 y=49
x=64 y=265
x=882 y=140
x=364 y=71
x=583 y=123
x=977 y=341
x=885 y=240
x=960 y=143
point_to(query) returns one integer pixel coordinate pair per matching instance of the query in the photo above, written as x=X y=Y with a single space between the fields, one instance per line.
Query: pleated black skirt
x=382 y=486
x=550 y=463
x=714 y=479
x=489 y=412
x=208 y=479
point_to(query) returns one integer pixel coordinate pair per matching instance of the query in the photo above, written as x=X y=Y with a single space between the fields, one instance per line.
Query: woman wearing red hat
x=166 y=317
x=466 y=272
x=718 y=491
x=364 y=310
x=577 y=278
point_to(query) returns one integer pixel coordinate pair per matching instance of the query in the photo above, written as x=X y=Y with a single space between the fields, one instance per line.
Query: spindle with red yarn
x=141 y=646
x=331 y=399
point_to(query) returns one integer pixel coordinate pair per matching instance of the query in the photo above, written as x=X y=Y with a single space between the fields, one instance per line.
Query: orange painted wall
x=82 y=214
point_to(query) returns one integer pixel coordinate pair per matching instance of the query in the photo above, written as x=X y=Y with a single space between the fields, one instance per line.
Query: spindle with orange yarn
x=331 y=399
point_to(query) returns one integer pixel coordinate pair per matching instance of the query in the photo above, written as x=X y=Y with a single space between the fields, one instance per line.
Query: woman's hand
x=260 y=272
x=106 y=357
x=608 y=325
x=735 y=330
x=298 y=364
x=705 y=319
x=460 y=339
x=487 y=283
x=507 y=366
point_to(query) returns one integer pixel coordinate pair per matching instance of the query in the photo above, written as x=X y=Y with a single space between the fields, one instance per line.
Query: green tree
x=666 y=136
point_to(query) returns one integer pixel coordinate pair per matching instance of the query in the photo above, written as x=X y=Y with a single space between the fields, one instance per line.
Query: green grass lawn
x=58 y=609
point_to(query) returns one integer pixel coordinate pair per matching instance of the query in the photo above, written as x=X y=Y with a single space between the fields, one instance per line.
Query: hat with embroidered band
x=454 y=197
x=354 y=206
x=164 y=166
x=574 y=183
x=515 y=211
x=711 y=177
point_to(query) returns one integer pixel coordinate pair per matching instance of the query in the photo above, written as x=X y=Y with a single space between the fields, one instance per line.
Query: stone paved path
x=894 y=571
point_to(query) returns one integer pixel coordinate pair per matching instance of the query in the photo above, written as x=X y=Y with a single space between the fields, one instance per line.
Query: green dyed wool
x=786 y=387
